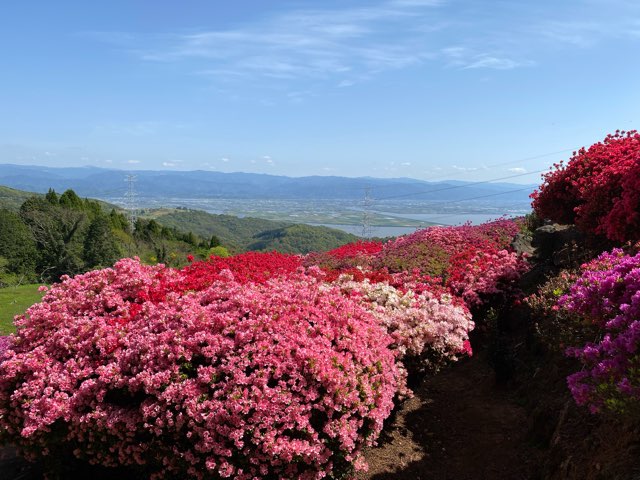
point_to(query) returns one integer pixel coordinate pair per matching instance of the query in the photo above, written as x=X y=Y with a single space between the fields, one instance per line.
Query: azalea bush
x=261 y=365
x=349 y=256
x=246 y=267
x=597 y=189
x=428 y=328
x=556 y=327
x=474 y=262
x=607 y=295
x=282 y=378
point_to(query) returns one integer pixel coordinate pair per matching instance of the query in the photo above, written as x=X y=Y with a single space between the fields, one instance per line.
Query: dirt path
x=459 y=426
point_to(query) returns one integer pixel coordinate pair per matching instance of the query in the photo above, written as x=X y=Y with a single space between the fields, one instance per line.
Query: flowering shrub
x=555 y=326
x=358 y=254
x=428 y=328
x=608 y=295
x=246 y=267
x=283 y=378
x=5 y=343
x=478 y=274
x=598 y=189
x=473 y=261
x=357 y=249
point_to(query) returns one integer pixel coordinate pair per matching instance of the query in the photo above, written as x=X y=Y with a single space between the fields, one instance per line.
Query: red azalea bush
x=598 y=189
x=288 y=378
x=478 y=274
x=349 y=256
x=246 y=267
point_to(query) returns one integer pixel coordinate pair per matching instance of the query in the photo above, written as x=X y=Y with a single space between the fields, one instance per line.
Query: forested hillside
x=43 y=237
x=54 y=235
x=242 y=234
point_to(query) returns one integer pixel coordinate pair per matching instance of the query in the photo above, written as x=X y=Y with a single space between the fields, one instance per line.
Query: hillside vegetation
x=244 y=234
x=11 y=199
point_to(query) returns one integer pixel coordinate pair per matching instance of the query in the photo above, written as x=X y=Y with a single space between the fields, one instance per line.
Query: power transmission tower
x=367 y=203
x=130 y=200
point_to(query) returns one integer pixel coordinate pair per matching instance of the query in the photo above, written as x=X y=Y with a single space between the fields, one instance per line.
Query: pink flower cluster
x=474 y=263
x=429 y=327
x=287 y=378
x=608 y=296
x=5 y=343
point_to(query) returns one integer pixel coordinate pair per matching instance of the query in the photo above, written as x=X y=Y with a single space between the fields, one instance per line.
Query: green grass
x=15 y=300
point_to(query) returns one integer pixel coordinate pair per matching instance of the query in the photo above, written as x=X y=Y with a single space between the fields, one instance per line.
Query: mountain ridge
x=103 y=183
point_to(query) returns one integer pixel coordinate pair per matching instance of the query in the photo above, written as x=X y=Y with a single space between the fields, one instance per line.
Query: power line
x=495 y=165
x=478 y=197
x=466 y=185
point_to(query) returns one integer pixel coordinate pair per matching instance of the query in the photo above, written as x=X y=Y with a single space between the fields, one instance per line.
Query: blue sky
x=428 y=89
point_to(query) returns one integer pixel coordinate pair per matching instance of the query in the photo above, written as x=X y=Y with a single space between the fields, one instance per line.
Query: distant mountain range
x=107 y=183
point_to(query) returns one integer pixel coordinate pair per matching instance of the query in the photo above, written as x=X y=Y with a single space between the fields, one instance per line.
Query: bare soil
x=460 y=425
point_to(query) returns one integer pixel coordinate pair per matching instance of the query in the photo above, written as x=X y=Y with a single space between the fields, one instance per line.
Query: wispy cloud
x=466 y=58
x=344 y=46
x=517 y=170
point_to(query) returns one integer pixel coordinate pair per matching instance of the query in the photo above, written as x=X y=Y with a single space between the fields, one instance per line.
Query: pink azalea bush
x=608 y=296
x=474 y=262
x=427 y=327
x=288 y=378
x=253 y=366
x=5 y=343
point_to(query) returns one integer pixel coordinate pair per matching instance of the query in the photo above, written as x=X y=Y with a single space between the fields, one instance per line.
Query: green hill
x=301 y=239
x=11 y=199
x=248 y=233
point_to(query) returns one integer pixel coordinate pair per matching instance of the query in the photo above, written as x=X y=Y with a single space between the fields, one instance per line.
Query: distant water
x=451 y=218
x=440 y=219
x=375 y=231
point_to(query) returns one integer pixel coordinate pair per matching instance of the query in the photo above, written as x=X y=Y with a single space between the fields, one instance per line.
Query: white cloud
x=133 y=162
x=464 y=169
x=406 y=164
x=302 y=44
x=496 y=63
x=517 y=170
x=346 y=83
x=168 y=164
x=224 y=159
x=466 y=58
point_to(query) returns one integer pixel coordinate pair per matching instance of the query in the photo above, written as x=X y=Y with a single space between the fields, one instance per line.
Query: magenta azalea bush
x=608 y=296
x=286 y=379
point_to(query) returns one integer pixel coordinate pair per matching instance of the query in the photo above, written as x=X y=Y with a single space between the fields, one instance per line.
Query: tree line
x=63 y=234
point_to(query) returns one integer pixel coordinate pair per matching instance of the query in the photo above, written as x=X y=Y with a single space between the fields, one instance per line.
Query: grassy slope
x=13 y=301
x=11 y=199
